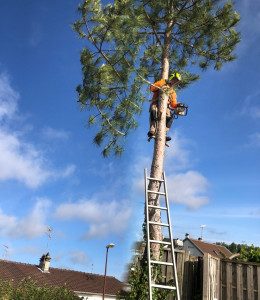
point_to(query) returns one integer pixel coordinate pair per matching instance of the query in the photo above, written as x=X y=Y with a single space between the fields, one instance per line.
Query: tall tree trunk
x=159 y=147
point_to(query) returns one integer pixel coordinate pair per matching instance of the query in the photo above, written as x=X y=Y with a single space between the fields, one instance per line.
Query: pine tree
x=130 y=44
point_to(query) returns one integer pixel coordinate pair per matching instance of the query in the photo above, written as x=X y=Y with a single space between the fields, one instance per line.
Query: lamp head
x=111 y=245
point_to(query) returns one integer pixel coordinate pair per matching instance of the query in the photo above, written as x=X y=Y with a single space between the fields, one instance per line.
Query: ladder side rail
x=148 y=237
x=171 y=239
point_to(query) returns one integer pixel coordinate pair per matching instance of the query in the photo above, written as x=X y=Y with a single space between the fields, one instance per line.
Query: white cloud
x=19 y=159
x=177 y=157
x=188 y=188
x=103 y=218
x=73 y=256
x=8 y=98
x=68 y=171
x=54 y=134
x=29 y=227
x=78 y=257
x=29 y=250
x=251 y=107
x=185 y=188
x=7 y=221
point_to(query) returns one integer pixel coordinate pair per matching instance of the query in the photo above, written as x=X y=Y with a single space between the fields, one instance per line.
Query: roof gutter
x=89 y=293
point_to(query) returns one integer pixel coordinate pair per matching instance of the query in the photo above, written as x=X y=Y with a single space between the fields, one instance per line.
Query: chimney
x=187 y=235
x=200 y=238
x=45 y=263
x=178 y=243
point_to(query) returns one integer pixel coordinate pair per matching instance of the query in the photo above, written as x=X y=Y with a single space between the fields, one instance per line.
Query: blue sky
x=51 y=174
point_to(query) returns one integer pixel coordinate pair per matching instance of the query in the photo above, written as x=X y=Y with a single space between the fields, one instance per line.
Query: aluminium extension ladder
x=149 y=241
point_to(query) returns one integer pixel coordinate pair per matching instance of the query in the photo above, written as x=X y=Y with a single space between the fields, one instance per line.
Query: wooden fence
x=211 y=278
x=189 y=271
x=230 y=280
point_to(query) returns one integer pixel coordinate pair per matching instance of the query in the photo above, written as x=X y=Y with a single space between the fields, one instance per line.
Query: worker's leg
x=169 y=121
x=153 y=118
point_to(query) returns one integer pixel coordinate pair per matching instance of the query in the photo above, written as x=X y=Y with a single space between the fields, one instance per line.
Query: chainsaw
x=180 y=110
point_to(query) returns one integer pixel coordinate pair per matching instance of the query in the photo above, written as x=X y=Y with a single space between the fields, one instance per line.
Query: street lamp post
x=104 y=286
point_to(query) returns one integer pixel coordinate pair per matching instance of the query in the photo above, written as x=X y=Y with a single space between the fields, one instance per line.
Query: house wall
x=188 y=245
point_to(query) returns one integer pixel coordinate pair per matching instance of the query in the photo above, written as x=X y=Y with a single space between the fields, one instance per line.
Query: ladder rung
x=155 y=179
x=158 y=223
x=160 y=242
x=159 y=193
x=158 y=207
x=161 y=263
x=168 y=287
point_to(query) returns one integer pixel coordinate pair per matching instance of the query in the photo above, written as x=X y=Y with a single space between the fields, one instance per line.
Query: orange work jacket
x=172 y=100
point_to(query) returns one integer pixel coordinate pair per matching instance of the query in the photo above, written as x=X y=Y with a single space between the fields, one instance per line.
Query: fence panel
x=215 y=279
x=239 y=280
x=189 y=271
x=211 y=277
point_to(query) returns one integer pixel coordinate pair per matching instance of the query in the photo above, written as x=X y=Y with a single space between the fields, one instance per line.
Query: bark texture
x=159 y=148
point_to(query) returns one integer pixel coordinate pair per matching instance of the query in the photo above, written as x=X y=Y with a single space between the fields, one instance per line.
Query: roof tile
x=75 y=280
x=212 y=249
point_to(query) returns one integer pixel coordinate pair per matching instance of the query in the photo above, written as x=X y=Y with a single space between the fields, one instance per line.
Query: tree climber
x=174 y=81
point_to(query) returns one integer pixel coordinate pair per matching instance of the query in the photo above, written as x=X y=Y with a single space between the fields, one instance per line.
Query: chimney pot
x=45 y=262
x=187 y=235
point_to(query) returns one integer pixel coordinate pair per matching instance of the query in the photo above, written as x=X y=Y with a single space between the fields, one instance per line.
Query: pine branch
x=182 y=8
x=122 y=57
x=100 y=51
x=199 y=51
x=194 y=3
x=154 y=30
x=109 y=26
x=108 y=122
x=145 y=32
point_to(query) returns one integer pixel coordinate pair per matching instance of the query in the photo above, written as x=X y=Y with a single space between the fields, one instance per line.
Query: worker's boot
x=151 y=135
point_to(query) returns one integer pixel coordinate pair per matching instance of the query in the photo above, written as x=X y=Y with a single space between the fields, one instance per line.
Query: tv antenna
x=202 y=227
x=5 y=251
x=48 y=233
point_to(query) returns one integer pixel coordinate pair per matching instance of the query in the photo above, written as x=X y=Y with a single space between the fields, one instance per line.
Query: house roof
x=212 y=249
x=75 y=281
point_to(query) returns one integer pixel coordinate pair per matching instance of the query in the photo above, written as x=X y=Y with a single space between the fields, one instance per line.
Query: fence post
x=218 y=282
x=250 y=282
x=258 y=283
x=205 y=276
x=239 y=282
x=211 y=278
x=229 y=280
x=182 y=257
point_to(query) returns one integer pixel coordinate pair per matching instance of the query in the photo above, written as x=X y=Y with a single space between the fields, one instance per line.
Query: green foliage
x=247 y=253
x=138 y=276
x=28 y=289
x=250 y=253
x=126 y=40
x=138 y=282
